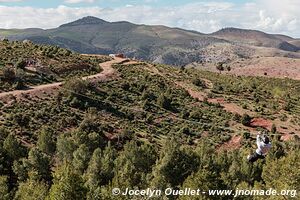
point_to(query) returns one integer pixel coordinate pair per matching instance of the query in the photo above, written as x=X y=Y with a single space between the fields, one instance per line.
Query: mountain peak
x=85 y=21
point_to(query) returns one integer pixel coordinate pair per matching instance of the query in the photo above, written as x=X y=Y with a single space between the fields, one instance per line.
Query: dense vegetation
x=24 y=64
x=142 y=130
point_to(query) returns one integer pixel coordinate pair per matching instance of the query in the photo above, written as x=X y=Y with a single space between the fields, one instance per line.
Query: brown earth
x=278 y=67
x=232 y=144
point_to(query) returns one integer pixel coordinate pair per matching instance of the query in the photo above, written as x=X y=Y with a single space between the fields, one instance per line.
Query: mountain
x=256 y=38
x=158 y=44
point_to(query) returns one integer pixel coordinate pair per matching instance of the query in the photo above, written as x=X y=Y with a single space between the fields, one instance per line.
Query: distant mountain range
x=159 y=44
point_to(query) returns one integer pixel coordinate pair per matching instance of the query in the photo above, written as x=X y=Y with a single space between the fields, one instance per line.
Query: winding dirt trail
x=107 y=73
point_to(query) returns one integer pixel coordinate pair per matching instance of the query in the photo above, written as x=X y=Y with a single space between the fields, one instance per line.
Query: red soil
x=232 y=144
x=260 y=122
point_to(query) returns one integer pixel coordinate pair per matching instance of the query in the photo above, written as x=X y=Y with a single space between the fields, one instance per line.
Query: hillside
x=24 y=64
x=256 y=38
x=139 y=124
x=158 y=44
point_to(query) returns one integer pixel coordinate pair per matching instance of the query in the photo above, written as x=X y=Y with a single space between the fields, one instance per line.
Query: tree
x=246 y=120
x=46 y=142
x=164 y=102
x=4 y=192
x=9 y=73
x=246 y=135
x=21 y=64
x=59 y=98
x=101 y=167
x=198 y=82
x=283 y=173
x=22 y=120
x=273 y=128
x=205 y=179
x=65 y=148
x=39 y=163
x=13 y=147
x=132 y=165
x=228 y=68
x=174 y=165
x=220 y=67
x=67 y=185
x=32 y=189
x=80 y=158
x=75 y=87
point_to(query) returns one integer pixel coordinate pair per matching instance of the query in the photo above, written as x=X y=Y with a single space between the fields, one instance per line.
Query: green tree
x=67 y=185
x=101 y=167
x=13 y=147
x=75 y=87
x=198 y=82
x=9 y=73
x=37 y=162
x=32 y=189
x=4 y=191
x=220 y=67
x=46 y=141
x=65 y=147
x=283 y=173
x=164 y=102
x=228 y=68
x=21 y=64
x=132 y=165
x=273 y=128
x=40 y=163
x=246 y=120
x=205 y=179
x=22 y=120
x=81 y=158
x=175 y=164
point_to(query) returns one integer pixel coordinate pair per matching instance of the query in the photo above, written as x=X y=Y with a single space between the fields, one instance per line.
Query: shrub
x=220 y=67
x=198 y=82
x=164 y=102
x=246 y=120
x=9 y=73
x=246 y=135
x=76 y=87
x=273 y=129
x=21 y=64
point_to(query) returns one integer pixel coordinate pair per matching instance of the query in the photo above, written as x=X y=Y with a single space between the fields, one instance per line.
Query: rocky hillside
x=158 y=44
x=25 y=64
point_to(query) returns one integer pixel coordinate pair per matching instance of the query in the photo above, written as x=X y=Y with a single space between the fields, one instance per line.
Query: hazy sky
x=273 y=16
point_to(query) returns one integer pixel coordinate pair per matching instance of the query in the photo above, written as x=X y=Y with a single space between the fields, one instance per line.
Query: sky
x=272 y=16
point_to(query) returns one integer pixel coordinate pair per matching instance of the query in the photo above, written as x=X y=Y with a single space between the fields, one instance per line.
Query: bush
x=21 y=64
x=75 y=88
x=9 y=73
x=198 y=82
x=273 y=129
x=246 y=135
x=164 y=102
x=246 y=120
x=220 y=67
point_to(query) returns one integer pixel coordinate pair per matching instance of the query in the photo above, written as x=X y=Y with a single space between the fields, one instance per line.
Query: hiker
x=263 y=146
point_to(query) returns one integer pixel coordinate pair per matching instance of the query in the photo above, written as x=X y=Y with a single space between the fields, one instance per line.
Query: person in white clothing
x=263 y=146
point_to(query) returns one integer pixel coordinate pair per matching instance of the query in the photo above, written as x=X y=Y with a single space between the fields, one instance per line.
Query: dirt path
x=107 y=73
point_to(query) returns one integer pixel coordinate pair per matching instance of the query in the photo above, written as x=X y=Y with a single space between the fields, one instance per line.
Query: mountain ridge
x=156 y=43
